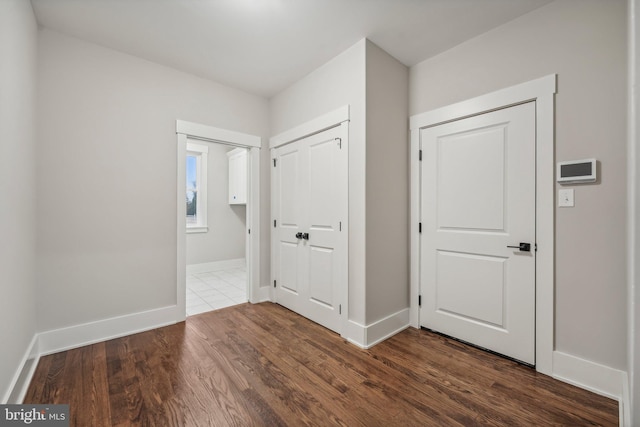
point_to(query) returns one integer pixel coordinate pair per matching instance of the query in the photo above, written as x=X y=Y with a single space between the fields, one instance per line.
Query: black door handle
x=298 y=235
x=305 y=236
x=524 y=247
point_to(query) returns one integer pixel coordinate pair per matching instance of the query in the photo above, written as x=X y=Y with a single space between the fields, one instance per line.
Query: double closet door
x=309 y=204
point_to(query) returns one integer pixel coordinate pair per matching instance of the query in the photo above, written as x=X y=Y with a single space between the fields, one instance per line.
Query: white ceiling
x=263 y=46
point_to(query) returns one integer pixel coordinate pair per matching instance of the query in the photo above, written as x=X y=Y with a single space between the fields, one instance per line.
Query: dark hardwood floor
x=264 y=365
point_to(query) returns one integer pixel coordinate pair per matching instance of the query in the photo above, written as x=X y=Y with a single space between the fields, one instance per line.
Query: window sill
x=197 y=229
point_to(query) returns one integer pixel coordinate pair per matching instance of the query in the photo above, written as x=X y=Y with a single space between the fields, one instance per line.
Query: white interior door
x=289 y=194
x=310 y=196
x=477 y=200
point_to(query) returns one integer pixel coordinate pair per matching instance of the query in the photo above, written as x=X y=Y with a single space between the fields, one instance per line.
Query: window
x=197 y=188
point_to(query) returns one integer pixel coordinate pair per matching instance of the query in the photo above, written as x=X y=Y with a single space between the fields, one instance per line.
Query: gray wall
x=107 y=176
x=18 y=50
x=584 y=42
x=387 y=197
x=225 y=239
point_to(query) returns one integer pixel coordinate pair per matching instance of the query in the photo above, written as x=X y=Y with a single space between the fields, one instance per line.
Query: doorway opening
x=218 y=259
x=216 y=201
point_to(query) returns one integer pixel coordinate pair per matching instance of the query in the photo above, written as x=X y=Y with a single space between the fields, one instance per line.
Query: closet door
x=288 y=197
x=310 y=200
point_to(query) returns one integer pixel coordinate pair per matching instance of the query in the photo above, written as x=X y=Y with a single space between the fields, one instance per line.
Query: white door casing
x=541 y=91
x=185 y=131
x=478 y=198
x=309 y=197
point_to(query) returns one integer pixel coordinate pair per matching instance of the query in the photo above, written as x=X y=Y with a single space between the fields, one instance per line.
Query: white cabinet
x=237 y=176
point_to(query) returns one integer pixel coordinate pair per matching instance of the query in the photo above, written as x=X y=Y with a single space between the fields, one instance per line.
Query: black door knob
x=298 y=235
x=305 y=236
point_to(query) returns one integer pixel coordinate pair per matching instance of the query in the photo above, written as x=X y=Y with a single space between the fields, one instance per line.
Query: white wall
x=226 y=237
x=18 y=50
x=387 y=197
x=584 y=42
x=339 y=82
x=107 y=176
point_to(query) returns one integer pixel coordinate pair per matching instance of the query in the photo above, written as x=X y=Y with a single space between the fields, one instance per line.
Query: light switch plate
x=565 y=198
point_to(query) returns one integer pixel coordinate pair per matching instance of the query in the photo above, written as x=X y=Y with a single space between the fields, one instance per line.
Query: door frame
x=541 y=91
x=332 y=119
x=188 y=130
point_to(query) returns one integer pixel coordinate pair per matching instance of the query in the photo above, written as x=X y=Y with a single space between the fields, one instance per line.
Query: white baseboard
x=20 y=381
x=591 y=376
x=370 y=335
x=263 y=295
x=101 y=330
x=215 y=265
x=600 y=379
x=387 y=327
x=356 y=334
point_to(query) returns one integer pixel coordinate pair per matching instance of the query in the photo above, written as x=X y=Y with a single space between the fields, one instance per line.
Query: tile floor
x=216 y=289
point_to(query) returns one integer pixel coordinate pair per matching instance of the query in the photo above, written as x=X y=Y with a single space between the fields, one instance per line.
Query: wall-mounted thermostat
x=577 y=171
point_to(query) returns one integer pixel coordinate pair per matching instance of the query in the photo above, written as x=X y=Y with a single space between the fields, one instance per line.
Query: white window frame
x=200 y=152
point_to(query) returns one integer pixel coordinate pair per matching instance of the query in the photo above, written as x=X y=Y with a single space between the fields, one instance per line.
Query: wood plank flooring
x=263 y=365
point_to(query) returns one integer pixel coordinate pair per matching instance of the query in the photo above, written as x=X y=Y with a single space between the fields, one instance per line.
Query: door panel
x=291 y=215
x=321 y=275
x=476 y=203
x=322 y=184
x=289 y=266
x=325 y=198
x=478 y=197
x=312 y=193
x=290 y=188
x=458 y=293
